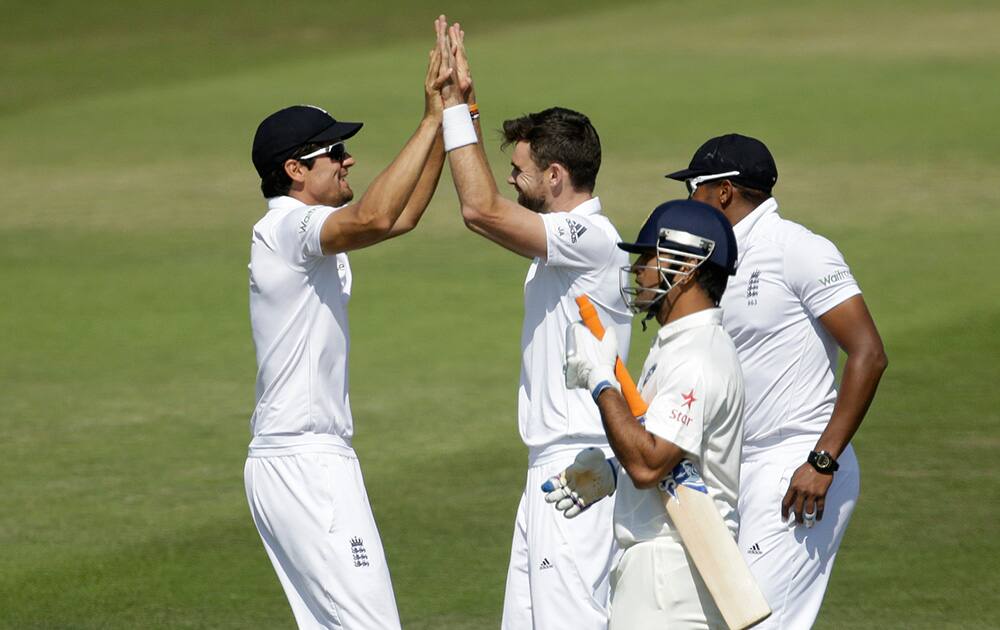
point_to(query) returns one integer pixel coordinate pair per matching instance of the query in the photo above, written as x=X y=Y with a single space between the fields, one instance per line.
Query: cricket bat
x=707 y=539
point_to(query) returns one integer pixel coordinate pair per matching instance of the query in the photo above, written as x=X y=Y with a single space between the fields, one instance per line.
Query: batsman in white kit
x=303 y=480
x=694 y=386
x=558 y=575
x=791 y=306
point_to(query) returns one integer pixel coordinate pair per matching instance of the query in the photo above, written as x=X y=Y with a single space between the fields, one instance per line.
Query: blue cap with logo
x=284 y=131
x=747 y=158
x=688 y=226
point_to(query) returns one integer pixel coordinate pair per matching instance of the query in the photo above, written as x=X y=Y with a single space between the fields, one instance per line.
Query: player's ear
x=726 y=193
x=557 y=175
x=295 y=170
x=689 y=278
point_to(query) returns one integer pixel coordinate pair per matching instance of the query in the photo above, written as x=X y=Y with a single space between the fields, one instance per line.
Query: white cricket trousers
x=792 y=564
x=312 y=512
x=559 y=567
x=654 y=586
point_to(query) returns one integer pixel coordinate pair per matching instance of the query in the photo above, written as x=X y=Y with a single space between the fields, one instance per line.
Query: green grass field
x=126 y=364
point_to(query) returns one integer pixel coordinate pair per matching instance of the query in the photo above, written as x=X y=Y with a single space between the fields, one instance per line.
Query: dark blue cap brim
x=637 y=248
x=686 y=174
x=337 y=131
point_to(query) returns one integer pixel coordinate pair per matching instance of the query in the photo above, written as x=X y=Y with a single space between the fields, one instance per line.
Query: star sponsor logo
x=678 y=414
x=834 y=278
x=688 y=399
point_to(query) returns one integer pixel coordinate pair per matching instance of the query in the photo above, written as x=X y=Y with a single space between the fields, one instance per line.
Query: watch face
x=823 y=460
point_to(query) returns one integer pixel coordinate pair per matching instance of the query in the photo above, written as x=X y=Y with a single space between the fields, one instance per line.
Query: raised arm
x=396 y=199
x=431 y=174
x=422 y=192
x=484 y=210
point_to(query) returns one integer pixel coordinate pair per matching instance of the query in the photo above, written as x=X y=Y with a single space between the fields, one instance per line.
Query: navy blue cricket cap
x=284 y=131
x=682 y=225
x=733 y=152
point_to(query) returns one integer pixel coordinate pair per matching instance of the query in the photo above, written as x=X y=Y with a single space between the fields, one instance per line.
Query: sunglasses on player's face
x=693 y=183
x=337 y=152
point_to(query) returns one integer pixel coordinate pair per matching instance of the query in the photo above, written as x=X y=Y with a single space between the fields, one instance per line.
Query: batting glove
x=590 y=362
x=588 y=479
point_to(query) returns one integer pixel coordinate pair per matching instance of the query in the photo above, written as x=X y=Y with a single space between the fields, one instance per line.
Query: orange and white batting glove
x=590 y=362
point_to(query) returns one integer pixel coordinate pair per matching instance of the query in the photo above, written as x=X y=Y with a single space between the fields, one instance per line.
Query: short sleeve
x=574 y=241
x=677 y=412
x=297 y=233
x=818 y=275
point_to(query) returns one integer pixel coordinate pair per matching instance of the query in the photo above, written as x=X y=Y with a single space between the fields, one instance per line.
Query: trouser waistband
x=273 y=445
x=540 y=455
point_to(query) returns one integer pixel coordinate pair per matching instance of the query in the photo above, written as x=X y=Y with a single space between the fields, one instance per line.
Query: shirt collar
x=284 y=202
x=707 y=317
x=588 y=207
x=746 y=225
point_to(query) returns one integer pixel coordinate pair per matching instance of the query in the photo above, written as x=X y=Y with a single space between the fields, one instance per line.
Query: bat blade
x=712 y=548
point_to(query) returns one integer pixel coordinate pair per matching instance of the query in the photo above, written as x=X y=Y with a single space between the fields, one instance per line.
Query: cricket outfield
x=126 y=365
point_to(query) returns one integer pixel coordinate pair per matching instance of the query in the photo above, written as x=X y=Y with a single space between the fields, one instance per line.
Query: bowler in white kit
x=558 y=574
x=303 y=480
x=693 y=383
x=791 y=307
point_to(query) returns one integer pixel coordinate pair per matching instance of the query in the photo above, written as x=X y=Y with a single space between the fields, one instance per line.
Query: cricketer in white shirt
x=787 y=278
x=694 y=386
x=303 y=481
x=792 y=303
x=558 y=575
x=548 y=555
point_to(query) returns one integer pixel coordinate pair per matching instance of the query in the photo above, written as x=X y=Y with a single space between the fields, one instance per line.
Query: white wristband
x=458 y=128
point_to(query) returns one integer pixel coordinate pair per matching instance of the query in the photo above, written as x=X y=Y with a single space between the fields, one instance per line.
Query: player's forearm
x=477 y=191
x=646 y=458
x=862 y=372
x=423 y=191
x=387 y=196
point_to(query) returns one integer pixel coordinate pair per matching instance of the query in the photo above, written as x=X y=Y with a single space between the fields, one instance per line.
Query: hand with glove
x=590 y=362
x=588 y=479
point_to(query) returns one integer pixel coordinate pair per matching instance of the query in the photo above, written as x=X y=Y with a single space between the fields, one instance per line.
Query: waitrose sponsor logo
x=834 y=278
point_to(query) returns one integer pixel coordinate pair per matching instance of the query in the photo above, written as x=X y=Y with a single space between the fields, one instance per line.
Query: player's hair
x=277 y=182
x=753 y=195
x=713 y=280
x=559 y=135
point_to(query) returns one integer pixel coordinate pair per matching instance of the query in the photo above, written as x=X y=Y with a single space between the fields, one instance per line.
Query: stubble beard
x=535 y=204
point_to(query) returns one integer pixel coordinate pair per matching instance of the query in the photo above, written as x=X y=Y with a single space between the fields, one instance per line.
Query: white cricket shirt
x=694 y=386
x=787 y=277
x=582 y=258
x=298 y=313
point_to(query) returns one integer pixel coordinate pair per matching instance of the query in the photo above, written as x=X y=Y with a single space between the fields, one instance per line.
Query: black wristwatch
x=823 y=462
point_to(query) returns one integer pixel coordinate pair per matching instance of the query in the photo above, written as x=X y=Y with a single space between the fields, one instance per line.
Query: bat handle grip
x=631 y=393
